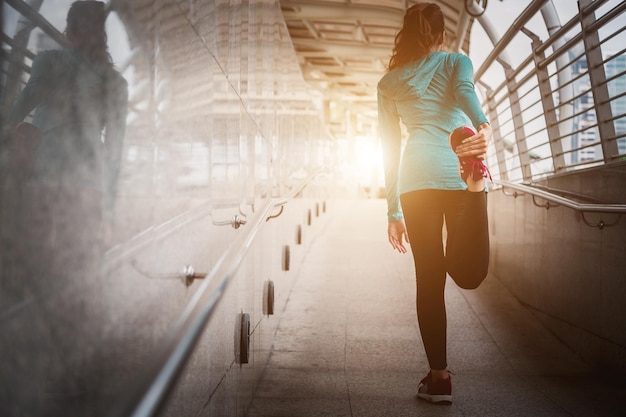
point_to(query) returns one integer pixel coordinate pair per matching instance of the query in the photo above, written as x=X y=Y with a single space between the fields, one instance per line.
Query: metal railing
x=161 y=374
x=574 y=134
x=15 y=65
x=560 y=200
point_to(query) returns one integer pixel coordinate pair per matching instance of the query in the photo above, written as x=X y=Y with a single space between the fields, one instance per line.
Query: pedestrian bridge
x=247 y=272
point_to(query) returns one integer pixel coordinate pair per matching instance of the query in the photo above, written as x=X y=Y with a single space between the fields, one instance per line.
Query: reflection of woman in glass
x=77 y=96
x=51 y=227
x=432 y=93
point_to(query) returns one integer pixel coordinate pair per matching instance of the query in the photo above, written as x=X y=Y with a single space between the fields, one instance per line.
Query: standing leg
x=423 y=215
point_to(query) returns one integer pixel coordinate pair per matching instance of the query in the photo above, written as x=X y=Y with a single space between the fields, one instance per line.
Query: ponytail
x=421 y=30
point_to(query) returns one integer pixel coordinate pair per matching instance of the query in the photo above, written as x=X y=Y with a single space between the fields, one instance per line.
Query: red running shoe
x=469 y=166
x=436 y=391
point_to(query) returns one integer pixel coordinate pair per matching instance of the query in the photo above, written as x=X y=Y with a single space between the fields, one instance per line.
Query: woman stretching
x=438 y=176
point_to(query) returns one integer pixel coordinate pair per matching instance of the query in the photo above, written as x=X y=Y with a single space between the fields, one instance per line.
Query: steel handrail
x=513 y=30
x=118 y=253
x=158 y=381
x=563 y=201
x=296 y=190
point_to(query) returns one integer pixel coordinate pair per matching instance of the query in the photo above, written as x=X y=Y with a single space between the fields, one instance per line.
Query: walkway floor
x=348 y=342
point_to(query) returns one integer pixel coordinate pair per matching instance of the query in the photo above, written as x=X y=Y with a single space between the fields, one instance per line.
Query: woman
x=432 y=93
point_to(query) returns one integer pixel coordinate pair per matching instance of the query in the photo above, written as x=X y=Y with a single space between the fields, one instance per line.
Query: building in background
x=585 y=137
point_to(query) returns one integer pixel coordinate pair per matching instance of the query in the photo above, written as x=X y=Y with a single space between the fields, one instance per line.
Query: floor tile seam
x=300 y=369
x=351 y=371
x=298 y=397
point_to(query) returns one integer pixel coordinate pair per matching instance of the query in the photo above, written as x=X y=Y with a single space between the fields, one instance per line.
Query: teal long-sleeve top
x=431 y=97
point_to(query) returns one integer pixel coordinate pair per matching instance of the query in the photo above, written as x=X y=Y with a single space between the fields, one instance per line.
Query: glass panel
x=219 y=119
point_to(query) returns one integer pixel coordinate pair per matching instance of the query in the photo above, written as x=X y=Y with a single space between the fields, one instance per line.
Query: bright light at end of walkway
x=368 y=162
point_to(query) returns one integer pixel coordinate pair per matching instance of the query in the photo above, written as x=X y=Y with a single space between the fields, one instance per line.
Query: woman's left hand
x=397 y=234
x=476 y=146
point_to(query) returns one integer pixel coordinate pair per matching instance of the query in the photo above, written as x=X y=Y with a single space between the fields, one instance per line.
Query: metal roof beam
x=318 y=48
x=299 y=10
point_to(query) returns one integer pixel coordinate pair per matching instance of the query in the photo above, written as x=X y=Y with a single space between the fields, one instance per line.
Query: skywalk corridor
x=199 y=228
x=347 y=342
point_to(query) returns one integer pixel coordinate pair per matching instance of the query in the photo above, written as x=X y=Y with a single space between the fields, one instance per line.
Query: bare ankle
x=475 y=186
x=439 y=374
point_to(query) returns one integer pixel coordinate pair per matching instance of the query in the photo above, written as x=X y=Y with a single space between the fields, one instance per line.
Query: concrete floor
x=348 y=343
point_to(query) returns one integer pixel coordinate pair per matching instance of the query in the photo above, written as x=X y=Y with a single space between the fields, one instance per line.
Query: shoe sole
x=457 y=135
x=454 y=139
x=436 y=399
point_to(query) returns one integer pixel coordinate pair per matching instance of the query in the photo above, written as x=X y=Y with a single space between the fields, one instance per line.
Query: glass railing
x=221 y=130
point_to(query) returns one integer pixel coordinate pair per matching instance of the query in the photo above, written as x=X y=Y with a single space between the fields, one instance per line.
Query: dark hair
x=86 y=26
x=421 y=30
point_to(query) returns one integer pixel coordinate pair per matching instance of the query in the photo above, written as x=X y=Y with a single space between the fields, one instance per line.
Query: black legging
x=466 y=256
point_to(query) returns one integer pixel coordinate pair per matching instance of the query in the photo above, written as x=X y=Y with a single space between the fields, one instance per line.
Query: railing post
x=518 y=124
x=498 y=141
x=547 y=101
x=599 y=87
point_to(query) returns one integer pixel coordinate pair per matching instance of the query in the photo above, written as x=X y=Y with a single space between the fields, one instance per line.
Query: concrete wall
x=571 y=275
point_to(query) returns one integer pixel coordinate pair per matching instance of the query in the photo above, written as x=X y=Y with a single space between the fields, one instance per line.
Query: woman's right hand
x=476 y=146
x=397 y=234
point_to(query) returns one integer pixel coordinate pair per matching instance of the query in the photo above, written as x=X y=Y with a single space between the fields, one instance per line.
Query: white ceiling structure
x=343 y=47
